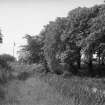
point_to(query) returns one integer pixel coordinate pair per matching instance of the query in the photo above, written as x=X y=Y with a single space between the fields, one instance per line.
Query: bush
x=5 y=68
x=4 y=59
x=3 y=76
x=7 y=57
x=23 y=75
x=2 y=93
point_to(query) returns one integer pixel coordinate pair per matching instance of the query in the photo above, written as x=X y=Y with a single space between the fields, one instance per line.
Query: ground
x=33 y=92
x=50 y=89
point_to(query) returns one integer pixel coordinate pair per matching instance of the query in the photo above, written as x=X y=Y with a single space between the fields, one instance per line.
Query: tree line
x=69 y=42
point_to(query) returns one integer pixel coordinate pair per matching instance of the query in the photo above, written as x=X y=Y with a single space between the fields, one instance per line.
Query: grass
x=82 y=89
x=49 y=89
x=33 y=91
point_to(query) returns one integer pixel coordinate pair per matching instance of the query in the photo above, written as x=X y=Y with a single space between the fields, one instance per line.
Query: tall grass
x=81 y=89
x=84 y=90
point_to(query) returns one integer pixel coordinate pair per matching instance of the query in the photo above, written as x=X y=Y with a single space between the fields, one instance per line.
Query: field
x=31 y=86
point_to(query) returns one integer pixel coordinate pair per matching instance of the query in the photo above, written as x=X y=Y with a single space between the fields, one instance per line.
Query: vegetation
x=5 y=68
x=65 y=46
x=32 y=49
x=66 y=40
x=52 y=89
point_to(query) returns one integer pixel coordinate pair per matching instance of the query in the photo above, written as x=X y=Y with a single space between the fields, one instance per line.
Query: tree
x=65 y=39
x=1 y=37
x=1 y=40
x=84 y=31
x=8 y=58
x=33 y=49
x=97 y=28
x=52 y=42
x=5 y=59
x=76 y=31
x=74 y=35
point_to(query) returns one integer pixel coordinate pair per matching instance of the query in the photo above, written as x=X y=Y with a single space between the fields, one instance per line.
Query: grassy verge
x=85 y=91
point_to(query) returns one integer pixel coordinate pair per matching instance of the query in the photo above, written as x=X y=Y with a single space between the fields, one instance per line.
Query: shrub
x=5 y=68
x=23 y=75
x=7 y=57
x=4 y=59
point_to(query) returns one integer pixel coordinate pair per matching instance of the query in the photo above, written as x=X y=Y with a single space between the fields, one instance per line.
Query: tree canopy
x=66 y=39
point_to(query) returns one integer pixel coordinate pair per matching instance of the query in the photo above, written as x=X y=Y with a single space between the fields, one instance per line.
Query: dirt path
x=33 y=92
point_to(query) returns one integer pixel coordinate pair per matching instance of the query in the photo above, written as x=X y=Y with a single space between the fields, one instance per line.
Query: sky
x=21 y=17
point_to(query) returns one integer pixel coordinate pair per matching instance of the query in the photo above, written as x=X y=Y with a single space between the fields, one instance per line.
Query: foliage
x=5 y=68
x=85 y=31
x=33 y=49
x=52 y=42
x=4 y=59
x=66 y=39
x=1 y=37
x=23 y=76
x=7 y=57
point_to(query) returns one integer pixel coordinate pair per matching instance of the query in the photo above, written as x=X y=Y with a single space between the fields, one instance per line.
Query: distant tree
x=5 y=59
x=1 y=40
x=33 y=49
x=8 y=58
x=23 y=56
x=1 y=37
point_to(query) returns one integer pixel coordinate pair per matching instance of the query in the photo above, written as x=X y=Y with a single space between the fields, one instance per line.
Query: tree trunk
x=73 y=69
x=52 y=62
x=99 y=57
x=79 y=59
x=90 y=65
x=79 y=64
x=102 y=61
x=46 y=66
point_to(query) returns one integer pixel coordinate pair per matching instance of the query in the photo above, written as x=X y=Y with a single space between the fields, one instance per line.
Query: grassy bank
x=32 y=86
x=85 y=91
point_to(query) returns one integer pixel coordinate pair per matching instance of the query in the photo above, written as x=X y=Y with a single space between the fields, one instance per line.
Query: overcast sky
x=20 y=17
